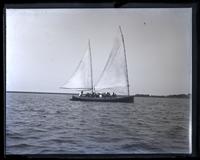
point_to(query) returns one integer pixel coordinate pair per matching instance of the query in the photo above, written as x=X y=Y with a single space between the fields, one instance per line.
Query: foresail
x=115 y=73
x=81 y=79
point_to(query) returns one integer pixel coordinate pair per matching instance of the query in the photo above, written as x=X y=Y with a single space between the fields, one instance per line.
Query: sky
x=44 y=47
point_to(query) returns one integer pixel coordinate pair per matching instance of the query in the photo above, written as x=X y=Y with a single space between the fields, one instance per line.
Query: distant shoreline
x=137 y=95
x=166 y=96
x=39 y=92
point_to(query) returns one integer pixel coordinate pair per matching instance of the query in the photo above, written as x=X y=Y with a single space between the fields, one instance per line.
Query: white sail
x=82 y=77
x=115 y=74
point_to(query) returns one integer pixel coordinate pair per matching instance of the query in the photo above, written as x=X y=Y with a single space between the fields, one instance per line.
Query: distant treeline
x=39 y=92
x=166 y=96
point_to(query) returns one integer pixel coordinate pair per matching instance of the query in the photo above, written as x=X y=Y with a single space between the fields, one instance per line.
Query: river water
x=52 y=124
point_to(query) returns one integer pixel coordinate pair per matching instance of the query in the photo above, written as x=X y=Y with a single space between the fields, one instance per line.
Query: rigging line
x=115 y=87
x=125 y=58
x=77 y=88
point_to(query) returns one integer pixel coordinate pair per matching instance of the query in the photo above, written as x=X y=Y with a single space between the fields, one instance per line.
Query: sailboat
x=114 y=76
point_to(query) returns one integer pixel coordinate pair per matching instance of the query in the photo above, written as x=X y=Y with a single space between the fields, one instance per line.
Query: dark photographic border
x=114 y=4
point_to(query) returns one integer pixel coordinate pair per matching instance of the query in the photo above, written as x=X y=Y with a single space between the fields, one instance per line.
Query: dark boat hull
x=125 y=99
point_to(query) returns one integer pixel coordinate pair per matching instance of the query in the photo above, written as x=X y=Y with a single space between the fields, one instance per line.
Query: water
x=52 y=124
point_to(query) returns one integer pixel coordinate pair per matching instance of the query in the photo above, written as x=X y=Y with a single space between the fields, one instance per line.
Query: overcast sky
x=44 y=46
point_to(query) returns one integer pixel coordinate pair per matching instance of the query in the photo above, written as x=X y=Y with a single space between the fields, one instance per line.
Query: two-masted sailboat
x=114 y=76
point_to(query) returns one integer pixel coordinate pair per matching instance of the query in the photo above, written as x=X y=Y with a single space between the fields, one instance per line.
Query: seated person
x=81 y=94
x=104 y=95
x=114 y=95
x=97 y=94
x=107 y=93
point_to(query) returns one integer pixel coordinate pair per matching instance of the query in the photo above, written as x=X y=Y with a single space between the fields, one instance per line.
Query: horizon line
x=140 y=94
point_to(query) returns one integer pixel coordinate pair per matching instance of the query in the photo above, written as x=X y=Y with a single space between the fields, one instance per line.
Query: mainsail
x=115 y=73
x=82 y=78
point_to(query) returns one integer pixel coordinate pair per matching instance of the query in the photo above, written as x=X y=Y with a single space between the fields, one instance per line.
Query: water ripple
x=51 y=124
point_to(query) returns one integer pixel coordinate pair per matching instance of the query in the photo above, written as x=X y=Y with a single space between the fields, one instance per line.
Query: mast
x=125 y=59
x=91 y=66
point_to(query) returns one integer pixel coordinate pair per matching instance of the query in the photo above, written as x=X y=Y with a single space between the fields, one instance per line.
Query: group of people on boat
x=98 y=95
